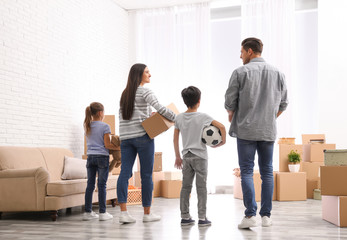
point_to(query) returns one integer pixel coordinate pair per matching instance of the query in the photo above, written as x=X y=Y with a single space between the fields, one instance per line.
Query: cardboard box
x=334 y=210
x=312 y=169
x=286 y=141
x=257 y=187
x=314 y=152
x=175 y=175
x=110 y=120
x=334 y=180
x=158 y=162
x=311 y=185
x=307 y=138
x=337 y=157
x=284 y=151
x=291 y=186
x=157 y=124
x=170 y=188
x=156 y=177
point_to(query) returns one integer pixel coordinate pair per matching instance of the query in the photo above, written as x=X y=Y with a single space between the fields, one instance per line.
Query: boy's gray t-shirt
x=191 y=125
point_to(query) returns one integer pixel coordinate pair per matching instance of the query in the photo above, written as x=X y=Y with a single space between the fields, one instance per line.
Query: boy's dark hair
x=253 y=43
x=191 y=96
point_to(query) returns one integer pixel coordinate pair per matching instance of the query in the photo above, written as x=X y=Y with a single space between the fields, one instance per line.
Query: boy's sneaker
x=125 y=217
x=90 y=216
x=186 y=222
x=105 y=216
x=266 y=221
x=151 y=217
x=204 y=223
x=248 y=222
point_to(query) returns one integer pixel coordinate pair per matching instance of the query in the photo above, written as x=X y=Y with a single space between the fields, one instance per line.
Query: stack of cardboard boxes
x=334 y=187
x=294 y=186
x=165 y=184
x=313 y=158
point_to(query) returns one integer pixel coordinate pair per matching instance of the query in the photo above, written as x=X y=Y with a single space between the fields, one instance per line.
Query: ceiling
x=141 y=4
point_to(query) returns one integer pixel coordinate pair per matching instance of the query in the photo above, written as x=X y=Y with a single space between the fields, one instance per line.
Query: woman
x=135 y=107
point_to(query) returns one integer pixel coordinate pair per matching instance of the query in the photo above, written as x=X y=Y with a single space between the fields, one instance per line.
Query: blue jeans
x=144 y=146
x=246 y=151
x=96 y=164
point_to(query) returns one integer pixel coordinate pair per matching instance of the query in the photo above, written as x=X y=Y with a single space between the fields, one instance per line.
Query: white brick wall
x=57 y=56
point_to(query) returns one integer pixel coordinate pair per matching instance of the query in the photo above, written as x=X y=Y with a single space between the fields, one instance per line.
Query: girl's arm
x=221 y=127
x=108 y=143
x=178 y=161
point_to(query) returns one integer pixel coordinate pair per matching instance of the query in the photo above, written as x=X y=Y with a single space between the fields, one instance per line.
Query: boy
x=191 y=124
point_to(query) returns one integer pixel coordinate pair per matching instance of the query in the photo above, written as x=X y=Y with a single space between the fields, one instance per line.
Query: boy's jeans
x=97 y=164
x=193 y=165
x=246 y=151
x=144 y=146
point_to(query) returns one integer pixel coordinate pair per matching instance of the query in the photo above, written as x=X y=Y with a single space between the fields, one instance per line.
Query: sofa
x=30 y=180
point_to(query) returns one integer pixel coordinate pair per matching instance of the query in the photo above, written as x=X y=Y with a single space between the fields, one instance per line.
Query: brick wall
x=57 y=56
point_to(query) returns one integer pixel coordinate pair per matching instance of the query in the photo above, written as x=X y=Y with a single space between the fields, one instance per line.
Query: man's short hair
x=253 y=43
x=191 y=96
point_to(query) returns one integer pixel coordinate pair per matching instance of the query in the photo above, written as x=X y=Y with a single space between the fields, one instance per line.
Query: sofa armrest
x=23 y=189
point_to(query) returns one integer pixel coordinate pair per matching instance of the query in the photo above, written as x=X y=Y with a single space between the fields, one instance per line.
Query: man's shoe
x=90 y=216
x=204 y=223
x=105 y=216
x=266 y=221
x=248 y=222
x=151 y=217
x=126 y=218
x=186 y=222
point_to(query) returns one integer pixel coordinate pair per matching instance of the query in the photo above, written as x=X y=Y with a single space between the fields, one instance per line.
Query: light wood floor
x=291 y=220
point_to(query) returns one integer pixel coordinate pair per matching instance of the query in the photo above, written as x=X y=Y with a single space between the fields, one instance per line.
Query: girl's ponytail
x=91 y=110
x=87 y=121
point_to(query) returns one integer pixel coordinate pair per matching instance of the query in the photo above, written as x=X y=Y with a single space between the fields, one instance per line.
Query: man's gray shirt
x=256 y=93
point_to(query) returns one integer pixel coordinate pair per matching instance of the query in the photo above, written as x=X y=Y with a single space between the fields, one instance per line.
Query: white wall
x=56 y=57
x=332 y=77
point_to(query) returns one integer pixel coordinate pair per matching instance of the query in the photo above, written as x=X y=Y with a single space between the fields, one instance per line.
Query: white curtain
x=273 y=21
x=175 y=44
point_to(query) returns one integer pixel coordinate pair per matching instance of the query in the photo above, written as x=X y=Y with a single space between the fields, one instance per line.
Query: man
x=255 y=97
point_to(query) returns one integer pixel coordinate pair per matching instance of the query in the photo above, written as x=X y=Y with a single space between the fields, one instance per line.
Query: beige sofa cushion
x=66 y=187
x=74 y=168
x=54 y=158
x=70 y=187
x=21 y=158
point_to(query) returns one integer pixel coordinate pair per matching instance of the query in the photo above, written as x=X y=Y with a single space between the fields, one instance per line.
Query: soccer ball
x=211 y=136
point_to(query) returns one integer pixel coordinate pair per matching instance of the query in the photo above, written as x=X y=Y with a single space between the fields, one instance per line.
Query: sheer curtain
x=175 y=44
x=273 y=21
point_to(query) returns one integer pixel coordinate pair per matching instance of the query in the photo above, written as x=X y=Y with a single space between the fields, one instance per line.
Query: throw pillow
x=74 y=168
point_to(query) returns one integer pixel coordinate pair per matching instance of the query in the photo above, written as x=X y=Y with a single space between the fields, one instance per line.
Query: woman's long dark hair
x=127 y=99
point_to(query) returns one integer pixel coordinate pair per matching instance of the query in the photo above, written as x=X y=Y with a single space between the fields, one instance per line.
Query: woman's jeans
x=97 y=164
x=144 y=147
x=246 y=151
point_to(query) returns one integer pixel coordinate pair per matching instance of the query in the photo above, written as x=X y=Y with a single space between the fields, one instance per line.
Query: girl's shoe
x=90 y=216
x=105 y=216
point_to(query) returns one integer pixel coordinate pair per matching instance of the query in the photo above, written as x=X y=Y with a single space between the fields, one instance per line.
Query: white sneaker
x=248 y=222
x=89 y=216
x=151 y=217
x=266 y=221
x=125 y=217
x=105 y=216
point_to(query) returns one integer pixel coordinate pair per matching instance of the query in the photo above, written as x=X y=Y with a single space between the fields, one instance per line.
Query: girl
x=135 y=106
x=98 y=142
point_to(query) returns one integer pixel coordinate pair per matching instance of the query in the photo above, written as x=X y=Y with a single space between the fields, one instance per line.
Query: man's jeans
x=97 y=164
x=144 y=146
x=246 y=151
